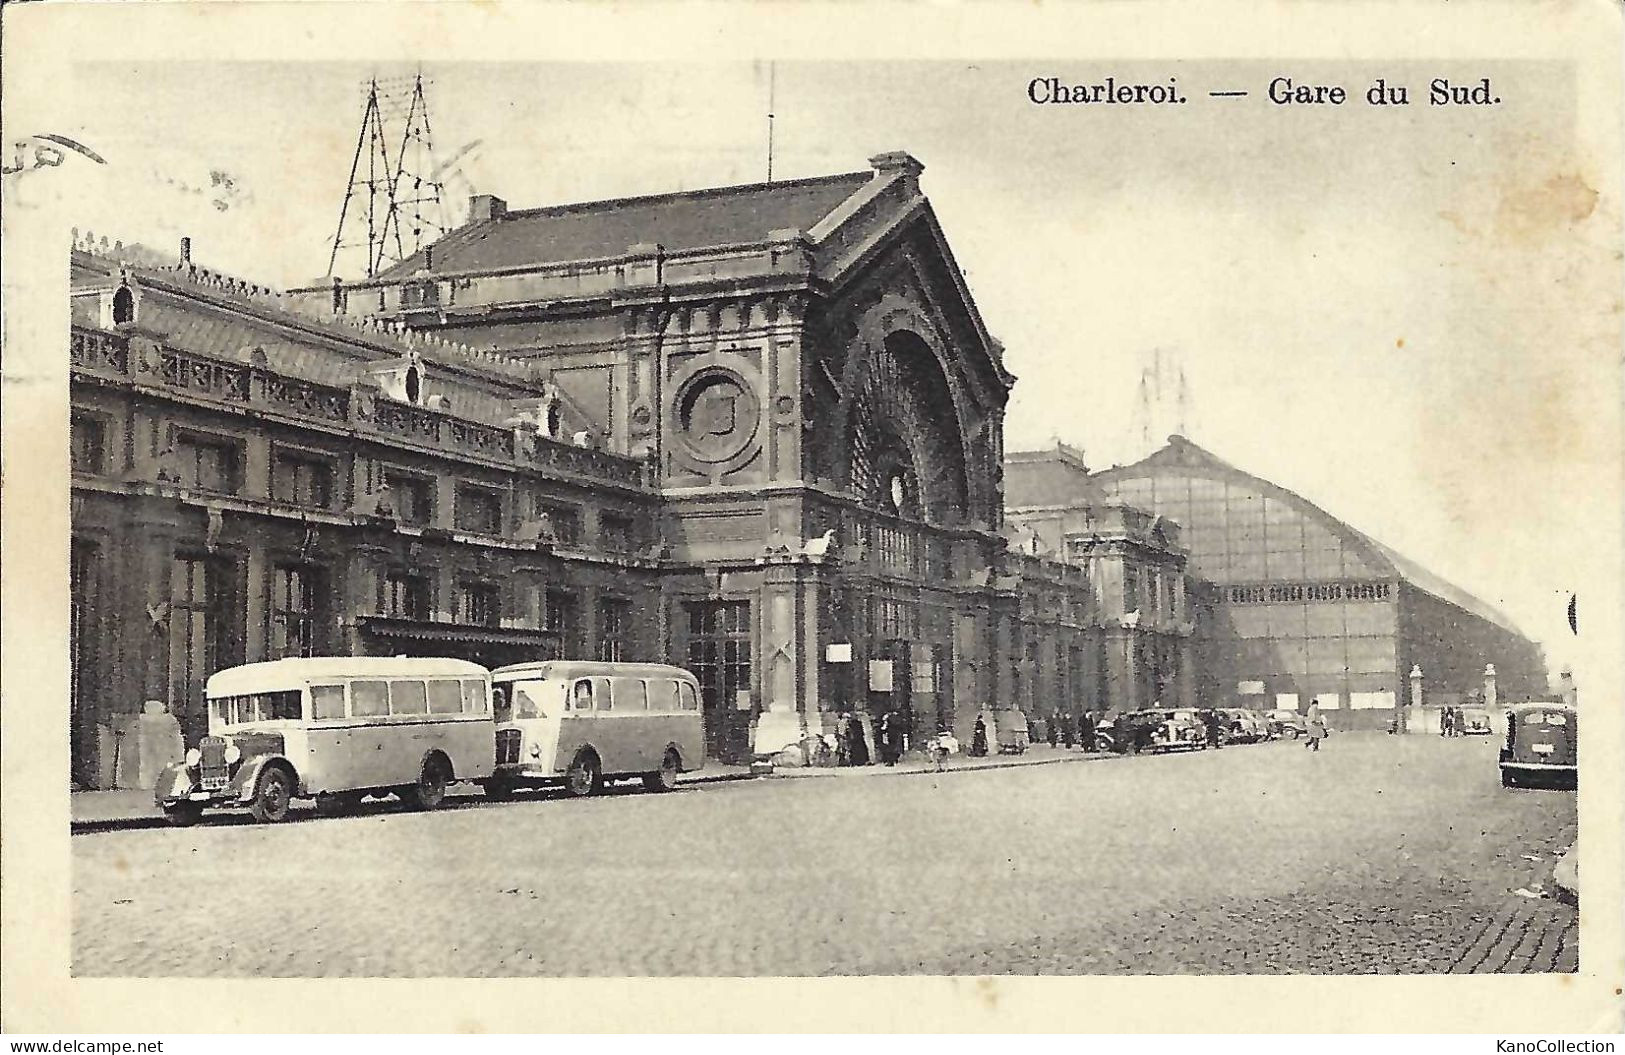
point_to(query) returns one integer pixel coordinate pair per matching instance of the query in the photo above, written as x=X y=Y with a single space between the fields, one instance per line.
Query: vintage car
x=1181 y=728
x=1475 y=721
x=1541 y=745
x=1243 y=726
x=1287 y=723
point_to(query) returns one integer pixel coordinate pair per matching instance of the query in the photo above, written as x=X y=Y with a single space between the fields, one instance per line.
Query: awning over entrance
x=489 y=645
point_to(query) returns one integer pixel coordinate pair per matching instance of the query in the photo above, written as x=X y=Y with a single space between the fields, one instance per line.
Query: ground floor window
x=200 y=609
x=83 y=669
x=296 y=604
x=561 y=617
x=479 y=604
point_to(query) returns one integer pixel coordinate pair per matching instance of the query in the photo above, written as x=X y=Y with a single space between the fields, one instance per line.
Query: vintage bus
x=336 y=730
x=580 y=724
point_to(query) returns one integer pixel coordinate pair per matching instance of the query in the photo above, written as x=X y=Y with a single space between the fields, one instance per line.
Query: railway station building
x=1289 y=604
x=757 y=431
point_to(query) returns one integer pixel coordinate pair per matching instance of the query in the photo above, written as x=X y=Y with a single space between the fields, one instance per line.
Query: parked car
x=1475 y=721
x=1179 y=728
x=1541 y=745
x=1287 y=723
x=1244 y=726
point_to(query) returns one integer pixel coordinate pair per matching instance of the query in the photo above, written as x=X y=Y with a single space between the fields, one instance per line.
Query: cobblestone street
x=1378 y=854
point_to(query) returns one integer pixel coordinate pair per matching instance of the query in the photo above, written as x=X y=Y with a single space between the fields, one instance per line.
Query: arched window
x=414 y=385
x=905 y=455
x=554 y=420
x=123 y=306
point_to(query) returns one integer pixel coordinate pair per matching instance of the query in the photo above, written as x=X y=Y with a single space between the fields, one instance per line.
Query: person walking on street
x=843 y=740
x=1068 y=734
x=1086 y=731
x=1317 y=733
x=1210 y=719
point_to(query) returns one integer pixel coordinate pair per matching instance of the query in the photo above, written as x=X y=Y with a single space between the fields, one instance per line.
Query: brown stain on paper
x=1528 y=212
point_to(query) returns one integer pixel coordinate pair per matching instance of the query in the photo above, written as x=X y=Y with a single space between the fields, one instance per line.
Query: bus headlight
x=536 y=750
x=193 y=757
x=234 y=754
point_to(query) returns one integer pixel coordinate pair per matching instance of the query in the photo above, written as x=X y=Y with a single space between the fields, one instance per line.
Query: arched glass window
x=414 y=385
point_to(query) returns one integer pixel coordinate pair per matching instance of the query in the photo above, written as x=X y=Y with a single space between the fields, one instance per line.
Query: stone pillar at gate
x=1415 y=717
x=789 y=682
x=1491 y=699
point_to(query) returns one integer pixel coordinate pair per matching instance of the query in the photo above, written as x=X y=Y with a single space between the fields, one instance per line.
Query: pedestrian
x=1317 y=733
x=1053 y=733
x=978 y=740
x=1312 y=719
x=1210 y=719
x=890 y=738
x=1086 y=731
x=1068 y=730
x=843 y=740
x=858 y=745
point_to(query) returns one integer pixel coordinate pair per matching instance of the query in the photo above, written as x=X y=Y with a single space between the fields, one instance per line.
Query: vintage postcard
x=1086 y=518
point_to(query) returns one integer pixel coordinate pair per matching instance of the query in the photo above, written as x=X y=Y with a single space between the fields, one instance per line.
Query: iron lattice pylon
x=400 y=195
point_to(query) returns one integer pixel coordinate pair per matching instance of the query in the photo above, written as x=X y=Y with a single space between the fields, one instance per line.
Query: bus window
x=407 y=697
x=445 y=697
x=689 y=702
x=473 y=696
x=499 y=703
x=663 y=695
x=603 y=694
x=634 y=694
x=326 y=701
x=581 y=698
x=369 y=699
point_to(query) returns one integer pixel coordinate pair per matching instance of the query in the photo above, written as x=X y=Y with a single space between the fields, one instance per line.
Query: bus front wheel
x=430 y=790
x=272 y=796
x=583 y=777
x=664 y=778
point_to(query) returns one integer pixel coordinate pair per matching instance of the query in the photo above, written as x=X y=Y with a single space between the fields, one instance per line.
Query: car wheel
x=1509 y=779
x=430 y=790
x=499 y=789
x=183 y=814
x=272 y=796
x=665 y=778
x=583 y=777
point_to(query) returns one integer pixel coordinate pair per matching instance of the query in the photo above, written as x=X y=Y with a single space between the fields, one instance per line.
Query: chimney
x=186 y=251
x=482 y=207
x=428 y=257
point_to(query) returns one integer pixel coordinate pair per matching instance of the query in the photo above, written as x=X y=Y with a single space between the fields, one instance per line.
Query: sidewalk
x=126 y=809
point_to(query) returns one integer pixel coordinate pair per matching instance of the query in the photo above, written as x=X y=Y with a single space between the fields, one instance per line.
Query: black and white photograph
x=718 y=510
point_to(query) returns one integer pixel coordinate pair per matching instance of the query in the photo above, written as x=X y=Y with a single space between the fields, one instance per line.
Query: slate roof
x=682 y=220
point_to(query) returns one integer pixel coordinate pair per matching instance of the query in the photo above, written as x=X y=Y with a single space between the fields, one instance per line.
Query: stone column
x=783 y=717
x=1416 y=717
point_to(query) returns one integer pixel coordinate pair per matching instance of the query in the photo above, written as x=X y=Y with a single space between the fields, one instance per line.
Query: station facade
x=757 y=431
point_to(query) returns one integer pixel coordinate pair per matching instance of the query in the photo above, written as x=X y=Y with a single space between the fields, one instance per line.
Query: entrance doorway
x=719 y=655
x=84 y=675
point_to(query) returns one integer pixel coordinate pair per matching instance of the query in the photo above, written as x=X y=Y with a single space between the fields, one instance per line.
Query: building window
x=479 y=604
x=87 y=435
x=895 y=549
x=295 y=615
x=562 y=618
x=614 y=630
x=302 y=479
x=478 y=509
x=123 y=306
x=895 y=620
x=616 y=534
x=561 y=524
x=419 y=295
x=412 y=498
x=1131 y=589
x=405 y=596
x=207 y=464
